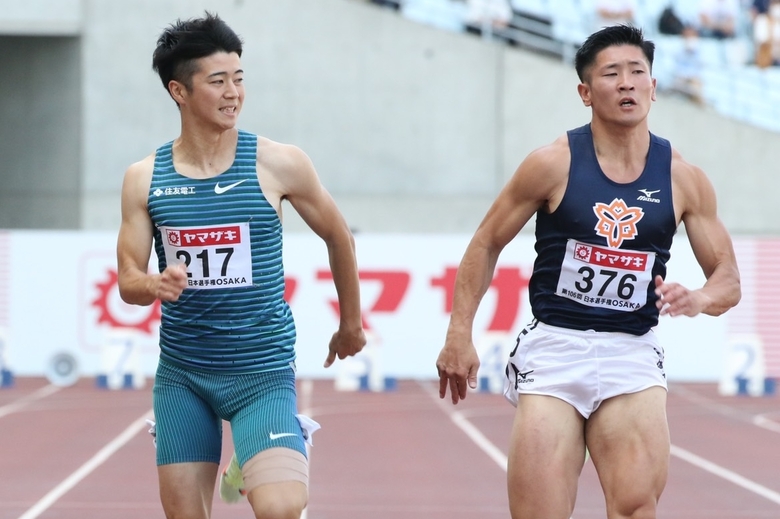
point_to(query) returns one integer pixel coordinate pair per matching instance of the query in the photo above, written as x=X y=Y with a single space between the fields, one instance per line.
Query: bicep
x=318 y=210
x=134 y=242
x=710 y=242
x=310 y=199
x=708 y=236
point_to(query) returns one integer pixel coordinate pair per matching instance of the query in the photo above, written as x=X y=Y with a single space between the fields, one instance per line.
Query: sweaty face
x=217 y=91
x=618 y=86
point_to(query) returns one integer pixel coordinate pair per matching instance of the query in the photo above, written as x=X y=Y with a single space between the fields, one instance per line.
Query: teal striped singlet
x=233 y=317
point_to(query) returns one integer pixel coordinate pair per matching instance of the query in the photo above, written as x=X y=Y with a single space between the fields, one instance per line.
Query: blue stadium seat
x=569 y=23
x=444 y=14
x=540 y=8
x=732 y=88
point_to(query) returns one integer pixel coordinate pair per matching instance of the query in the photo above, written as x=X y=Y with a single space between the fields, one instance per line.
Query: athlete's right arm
x=134 y=245
x=538 y=182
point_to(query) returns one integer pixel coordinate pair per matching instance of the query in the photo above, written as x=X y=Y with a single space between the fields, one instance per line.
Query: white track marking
x=98 y=459
x=726 y=474
x=762 y=421
x=27 y=400
x=496 y=455
x=458 y=418
x=759 y=420
x=478 y=438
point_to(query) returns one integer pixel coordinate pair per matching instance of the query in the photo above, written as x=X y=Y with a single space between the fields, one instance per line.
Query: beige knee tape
x=275 y=466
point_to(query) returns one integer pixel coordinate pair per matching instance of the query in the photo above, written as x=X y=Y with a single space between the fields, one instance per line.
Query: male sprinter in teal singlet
x=588 y=372
x=210 y=202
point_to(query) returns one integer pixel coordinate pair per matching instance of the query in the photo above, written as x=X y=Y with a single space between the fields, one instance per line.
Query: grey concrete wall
x=387 y=109
x=40 y=132
x=411 y=128
x=41 y=17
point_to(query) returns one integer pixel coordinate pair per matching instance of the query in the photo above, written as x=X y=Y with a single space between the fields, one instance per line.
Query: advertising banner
x=60 y=296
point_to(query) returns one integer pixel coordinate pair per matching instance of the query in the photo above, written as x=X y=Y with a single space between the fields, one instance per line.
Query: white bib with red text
x=604 y=277
x=217 y=256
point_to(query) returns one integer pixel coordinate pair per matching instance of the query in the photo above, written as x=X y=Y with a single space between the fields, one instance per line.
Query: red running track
x=83 y=452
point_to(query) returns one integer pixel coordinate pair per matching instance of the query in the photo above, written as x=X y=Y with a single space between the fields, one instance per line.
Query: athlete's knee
x=277 y=482
x=279 y=501
x=633 y=507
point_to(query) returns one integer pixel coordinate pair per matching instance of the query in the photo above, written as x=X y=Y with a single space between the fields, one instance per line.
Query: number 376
x=589 y=281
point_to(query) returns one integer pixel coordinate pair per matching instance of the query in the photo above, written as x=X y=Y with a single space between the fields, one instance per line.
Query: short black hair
x=183 y=42
x=621 y=34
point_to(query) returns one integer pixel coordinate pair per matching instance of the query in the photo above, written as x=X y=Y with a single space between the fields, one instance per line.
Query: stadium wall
x=412 y=129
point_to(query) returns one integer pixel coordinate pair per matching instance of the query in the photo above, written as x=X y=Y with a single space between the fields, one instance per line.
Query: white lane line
x=726 y=474
x=83 y=471
x=762 y=421
x=496 y=455
x=458 y=418
x=759 y=420
x=27 y=400
x=480 y=439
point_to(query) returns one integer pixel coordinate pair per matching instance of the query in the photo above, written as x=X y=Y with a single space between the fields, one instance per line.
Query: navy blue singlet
x=598 y=252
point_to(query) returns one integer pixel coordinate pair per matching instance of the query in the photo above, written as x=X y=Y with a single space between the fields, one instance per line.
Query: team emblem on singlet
x=217 y=256
x=617 y=222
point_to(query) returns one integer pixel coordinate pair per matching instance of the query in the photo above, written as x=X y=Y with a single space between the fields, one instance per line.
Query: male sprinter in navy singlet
x=210 y=202
x=588 y=371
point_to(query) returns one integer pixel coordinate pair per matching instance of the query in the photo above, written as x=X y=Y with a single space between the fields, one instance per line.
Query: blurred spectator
x=670 y=23
x=758 y=7
x=392 y=4
x=486 y=15
x=688 y=66
x=766 y=34
x=614 y=12
x=718 y=18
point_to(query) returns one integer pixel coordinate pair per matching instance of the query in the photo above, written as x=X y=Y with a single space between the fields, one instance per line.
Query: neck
x=621 y=150
x=203 y=152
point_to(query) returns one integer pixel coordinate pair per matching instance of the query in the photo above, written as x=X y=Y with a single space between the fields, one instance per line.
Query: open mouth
x=627 y=102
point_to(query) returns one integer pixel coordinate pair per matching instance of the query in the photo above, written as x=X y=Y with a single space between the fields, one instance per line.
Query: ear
x=654 y=88
x=178 y=91
x=584 y=90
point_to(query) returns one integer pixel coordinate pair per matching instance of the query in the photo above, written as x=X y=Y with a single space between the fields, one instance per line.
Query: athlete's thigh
x=188 y=430
x=266 y=417
x=546 y=455
x=187 y=489
x=628 y=439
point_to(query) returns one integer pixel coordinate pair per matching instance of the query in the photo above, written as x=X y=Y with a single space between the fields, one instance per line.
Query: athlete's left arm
x=696 y=205
x=310 y=199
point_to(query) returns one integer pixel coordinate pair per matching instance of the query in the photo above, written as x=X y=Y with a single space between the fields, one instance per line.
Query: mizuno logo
x=647 y=196
x=275 y=436
x=221 y=189
x=520 y=377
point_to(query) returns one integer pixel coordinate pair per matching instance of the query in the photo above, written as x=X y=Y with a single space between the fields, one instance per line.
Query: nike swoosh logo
x=275 y=436
x=221 y=189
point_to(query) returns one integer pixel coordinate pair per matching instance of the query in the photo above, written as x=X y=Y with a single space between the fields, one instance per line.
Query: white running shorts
x=583 y=368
